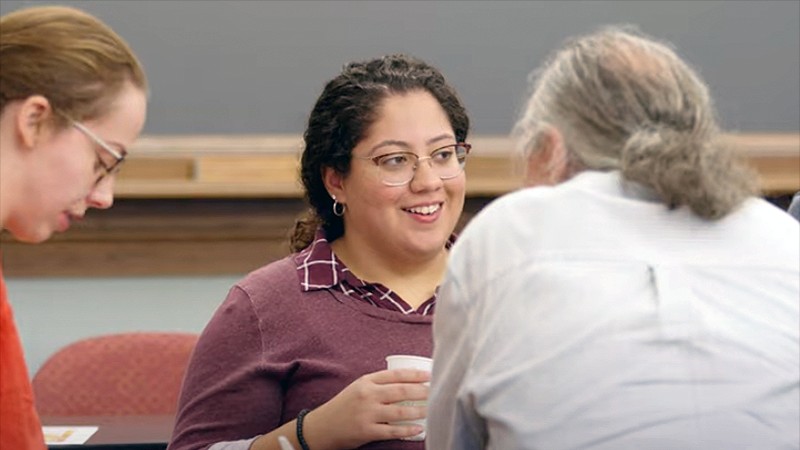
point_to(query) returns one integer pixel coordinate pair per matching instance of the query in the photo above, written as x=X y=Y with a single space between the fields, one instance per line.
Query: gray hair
x=624 y=101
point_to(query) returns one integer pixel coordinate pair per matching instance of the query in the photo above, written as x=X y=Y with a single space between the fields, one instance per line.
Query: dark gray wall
x=257 y=67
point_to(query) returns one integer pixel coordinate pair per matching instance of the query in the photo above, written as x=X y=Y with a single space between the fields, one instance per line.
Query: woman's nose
x=425 y=176
x=102 y=195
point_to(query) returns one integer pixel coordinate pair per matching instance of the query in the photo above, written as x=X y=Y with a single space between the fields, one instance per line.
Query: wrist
x=300 y=429
x=315 y=434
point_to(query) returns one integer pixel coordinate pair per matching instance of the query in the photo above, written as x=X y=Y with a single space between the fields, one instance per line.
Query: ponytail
x=685 y=169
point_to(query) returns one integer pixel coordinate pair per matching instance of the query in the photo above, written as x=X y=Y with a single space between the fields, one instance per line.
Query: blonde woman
x=72 y=101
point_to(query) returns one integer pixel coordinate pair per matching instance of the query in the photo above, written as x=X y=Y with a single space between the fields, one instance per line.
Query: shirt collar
x=319 y=268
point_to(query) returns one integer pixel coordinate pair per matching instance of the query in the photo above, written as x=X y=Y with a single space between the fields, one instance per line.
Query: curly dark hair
x=346 y=109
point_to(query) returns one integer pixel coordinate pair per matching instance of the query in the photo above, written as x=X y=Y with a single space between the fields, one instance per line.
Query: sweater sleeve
x=226 y=394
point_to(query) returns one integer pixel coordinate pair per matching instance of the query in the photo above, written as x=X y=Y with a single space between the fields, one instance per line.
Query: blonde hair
x=68 y=56
x=624 y=101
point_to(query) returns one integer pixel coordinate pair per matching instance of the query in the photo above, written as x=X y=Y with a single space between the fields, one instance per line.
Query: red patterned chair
x=119 y=374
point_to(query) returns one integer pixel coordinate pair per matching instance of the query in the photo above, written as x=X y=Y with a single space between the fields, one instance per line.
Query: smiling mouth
x=426 y=210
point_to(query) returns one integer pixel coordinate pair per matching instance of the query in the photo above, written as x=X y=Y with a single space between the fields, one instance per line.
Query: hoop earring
x=338 y=208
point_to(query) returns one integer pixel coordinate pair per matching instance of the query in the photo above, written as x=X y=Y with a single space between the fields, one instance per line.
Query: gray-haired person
x=639 y=295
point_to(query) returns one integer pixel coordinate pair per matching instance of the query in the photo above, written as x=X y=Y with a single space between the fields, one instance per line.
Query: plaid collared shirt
x=319 y=268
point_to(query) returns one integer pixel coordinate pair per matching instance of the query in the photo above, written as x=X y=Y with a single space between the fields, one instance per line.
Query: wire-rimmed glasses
x=398 y=168
x=119 y=157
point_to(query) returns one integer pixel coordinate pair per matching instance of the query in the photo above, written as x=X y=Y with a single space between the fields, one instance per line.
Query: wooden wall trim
x=266 y=166
x=168 y=237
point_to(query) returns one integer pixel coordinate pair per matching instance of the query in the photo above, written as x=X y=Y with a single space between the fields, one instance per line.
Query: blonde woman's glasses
x=398 y=168
x=107 y=169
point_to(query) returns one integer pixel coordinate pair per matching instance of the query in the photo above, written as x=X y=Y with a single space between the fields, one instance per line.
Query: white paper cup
x=411 y=362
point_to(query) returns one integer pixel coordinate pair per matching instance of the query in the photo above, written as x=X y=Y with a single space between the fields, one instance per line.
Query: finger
x=393 y=393
x=400 y=376
x=386 y=431
x=401 y=412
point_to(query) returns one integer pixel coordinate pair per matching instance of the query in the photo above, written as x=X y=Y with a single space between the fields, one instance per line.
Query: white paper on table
x=67 y=435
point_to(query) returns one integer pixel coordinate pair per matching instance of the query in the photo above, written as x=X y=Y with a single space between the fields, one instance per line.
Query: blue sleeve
x=794 y=207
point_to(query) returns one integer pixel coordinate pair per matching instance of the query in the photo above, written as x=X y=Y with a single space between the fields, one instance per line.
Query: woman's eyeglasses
x=398 y=168
x=107 y=169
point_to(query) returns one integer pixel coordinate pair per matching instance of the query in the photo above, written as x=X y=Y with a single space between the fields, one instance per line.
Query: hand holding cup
x=411 y=362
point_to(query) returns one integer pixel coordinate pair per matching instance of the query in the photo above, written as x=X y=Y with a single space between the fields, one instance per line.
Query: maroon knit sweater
x=271 y=350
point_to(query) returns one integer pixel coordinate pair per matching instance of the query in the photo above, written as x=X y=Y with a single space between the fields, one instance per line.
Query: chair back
x=136 y=373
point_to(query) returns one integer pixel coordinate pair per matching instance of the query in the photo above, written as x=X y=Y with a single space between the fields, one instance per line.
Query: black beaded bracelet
x=300 y=438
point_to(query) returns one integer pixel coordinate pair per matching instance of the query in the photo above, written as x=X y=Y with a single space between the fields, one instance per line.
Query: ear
x=547 y=164
x=334 y=183
x=31 y=119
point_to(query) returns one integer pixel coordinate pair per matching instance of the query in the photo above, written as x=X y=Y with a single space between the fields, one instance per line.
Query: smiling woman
x=390 y=227
x=299 y=346
x=64 y=76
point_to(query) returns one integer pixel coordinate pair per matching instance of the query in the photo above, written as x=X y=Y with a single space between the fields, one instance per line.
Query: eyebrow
x=405 y=145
